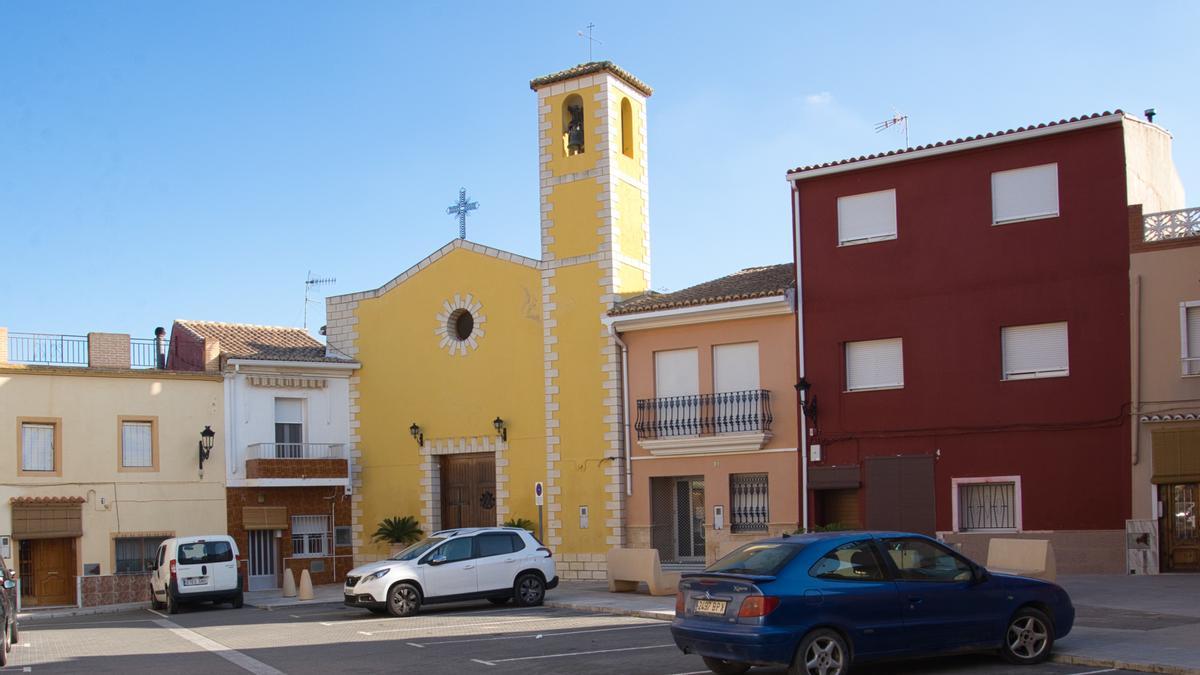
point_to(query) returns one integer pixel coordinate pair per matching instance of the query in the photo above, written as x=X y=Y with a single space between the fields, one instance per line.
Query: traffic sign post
x=538 y=499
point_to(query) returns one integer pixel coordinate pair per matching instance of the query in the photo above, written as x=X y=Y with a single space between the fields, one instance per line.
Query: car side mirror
x=438 y=559
x=9 y=584
x=979 y=574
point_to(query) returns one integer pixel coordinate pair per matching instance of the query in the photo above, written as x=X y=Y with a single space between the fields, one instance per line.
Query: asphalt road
x=465 y=639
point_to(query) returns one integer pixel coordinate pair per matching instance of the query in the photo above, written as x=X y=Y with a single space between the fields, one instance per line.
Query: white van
x=194 y=569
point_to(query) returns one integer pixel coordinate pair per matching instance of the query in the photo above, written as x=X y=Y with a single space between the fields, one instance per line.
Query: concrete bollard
x=289 y=583
x=306 y=589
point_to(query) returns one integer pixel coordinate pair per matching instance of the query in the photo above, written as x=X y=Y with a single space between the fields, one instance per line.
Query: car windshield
x=418 y=549
x=766 y=559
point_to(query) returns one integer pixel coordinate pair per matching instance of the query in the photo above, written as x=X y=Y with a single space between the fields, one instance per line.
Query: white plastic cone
x=306 y=590
x=289 y=583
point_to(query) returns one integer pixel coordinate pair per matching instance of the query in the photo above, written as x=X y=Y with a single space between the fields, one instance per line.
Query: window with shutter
x=289 y=427
x=875 y=364
x=137 y=444
x=867 y=217
x=310 y=536
x=1025 y=194
x=735 y=367
x=1035 y=351
x=37 y=447
x=1190 y=337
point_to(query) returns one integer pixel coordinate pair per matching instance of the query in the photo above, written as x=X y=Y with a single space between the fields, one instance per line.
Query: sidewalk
x=273 y=599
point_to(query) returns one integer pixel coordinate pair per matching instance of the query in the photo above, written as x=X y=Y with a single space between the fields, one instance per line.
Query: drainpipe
x=624 y=407
x=804 y=492
x=1137 y=396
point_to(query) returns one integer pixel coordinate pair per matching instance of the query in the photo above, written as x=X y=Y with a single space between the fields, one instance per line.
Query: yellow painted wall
x=631 y=222
x=407 y=377
x=576 y=227
x=174 y=499
x=560 y=162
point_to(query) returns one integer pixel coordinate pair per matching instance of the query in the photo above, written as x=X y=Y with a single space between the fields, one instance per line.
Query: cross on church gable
x=460 y=210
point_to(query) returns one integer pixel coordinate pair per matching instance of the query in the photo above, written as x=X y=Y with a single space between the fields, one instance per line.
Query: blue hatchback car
x=822 y=602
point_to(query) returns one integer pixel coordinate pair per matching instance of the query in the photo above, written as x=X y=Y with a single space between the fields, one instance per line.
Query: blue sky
x=195 y=160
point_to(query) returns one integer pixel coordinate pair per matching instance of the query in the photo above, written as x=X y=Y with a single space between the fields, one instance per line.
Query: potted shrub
x=399 y=532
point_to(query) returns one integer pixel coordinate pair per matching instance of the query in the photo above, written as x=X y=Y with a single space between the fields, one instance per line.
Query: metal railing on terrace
x=1166 y=225
x=72 y=350
x=704 y=414
x=296 y=451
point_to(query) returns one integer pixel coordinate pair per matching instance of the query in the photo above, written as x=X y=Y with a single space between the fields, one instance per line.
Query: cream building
x=100 y=461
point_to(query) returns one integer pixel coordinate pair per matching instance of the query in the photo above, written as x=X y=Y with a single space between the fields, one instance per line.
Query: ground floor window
x=987 y=504
x=342 y=536
x=310 y=536
x=136 y=554
x=749 y=502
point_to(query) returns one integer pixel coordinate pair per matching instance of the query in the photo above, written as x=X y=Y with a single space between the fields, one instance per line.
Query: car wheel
x=5 y=650
x=14 y=634
x=723 y=667
x=821 y=652
x=237 y=600
x=172 y=604
x=499 y=601
x=403 y=600
x=529 y=590
x=1029 y=637
x=154 y=603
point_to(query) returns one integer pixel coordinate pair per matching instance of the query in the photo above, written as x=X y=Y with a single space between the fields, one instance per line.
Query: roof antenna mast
x=313 y=283
x=590 y=40
x=898 y=119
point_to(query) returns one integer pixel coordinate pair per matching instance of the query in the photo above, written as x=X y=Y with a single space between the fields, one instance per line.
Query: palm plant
x=523 y=523
x=398 y=530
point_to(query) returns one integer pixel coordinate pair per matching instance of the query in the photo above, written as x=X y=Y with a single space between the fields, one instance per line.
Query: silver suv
x=496 y=563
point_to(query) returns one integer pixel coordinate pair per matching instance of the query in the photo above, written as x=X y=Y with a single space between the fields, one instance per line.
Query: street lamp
x=206 y=444
x=415 y=432
x=500 y=428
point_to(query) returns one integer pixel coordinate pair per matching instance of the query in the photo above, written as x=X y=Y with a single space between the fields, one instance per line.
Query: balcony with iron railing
x=297 y=461
x=1171 y=225
x=734 y=421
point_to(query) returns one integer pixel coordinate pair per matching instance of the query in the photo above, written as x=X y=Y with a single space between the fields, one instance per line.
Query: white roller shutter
x=1191 y=340
x=735 y=367
x=289 y=411
x=1035 y=351
x=37 y=447
x=867 y=217
x=1024 y=194
x=676 y=373
x=875 y=364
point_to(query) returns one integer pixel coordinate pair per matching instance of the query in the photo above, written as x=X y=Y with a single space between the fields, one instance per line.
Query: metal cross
x=460 y=209
x=591 y=40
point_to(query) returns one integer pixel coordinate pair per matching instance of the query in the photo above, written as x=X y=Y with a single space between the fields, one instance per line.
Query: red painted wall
x=947 y=285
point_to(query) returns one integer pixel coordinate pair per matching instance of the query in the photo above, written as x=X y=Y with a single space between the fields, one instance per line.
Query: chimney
x=160 y=348
x=108 y=350
x=1150 y=113
x=212 y=355
x=3 y=346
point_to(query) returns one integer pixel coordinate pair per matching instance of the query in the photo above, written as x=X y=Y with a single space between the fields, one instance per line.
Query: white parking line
x=231 y=655
x=465 y=625
x=368 y=619
x=155 y=611
x=656 y=624
x=1096 y=672
x=557 y=656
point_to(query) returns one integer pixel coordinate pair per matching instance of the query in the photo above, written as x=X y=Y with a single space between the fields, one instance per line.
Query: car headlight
x=378 y=575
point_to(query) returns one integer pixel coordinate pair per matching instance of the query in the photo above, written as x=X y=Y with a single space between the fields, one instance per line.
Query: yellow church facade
x=485 y=372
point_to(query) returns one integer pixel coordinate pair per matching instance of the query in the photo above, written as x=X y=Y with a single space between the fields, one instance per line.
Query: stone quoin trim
x=431 y=474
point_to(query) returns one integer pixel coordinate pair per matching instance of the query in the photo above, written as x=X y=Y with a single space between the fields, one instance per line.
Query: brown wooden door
x=841 y=507
x=468 y=490
x=52 y=565
x=1181 y=532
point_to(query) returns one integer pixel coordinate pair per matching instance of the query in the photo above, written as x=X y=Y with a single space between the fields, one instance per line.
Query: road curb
x=37 y=615
x=661 y=615
x=1080 y=660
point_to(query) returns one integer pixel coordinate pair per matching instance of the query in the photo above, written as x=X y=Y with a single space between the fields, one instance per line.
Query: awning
x=834 y=477
x=265 y=518
x=1176 y=456
x=47 y=517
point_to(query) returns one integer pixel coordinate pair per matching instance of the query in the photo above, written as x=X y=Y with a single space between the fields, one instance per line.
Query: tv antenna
x=313 y=283
x=898 y=120
x=591 y=40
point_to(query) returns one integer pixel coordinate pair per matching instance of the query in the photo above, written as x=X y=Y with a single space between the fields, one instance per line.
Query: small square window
x=40 y=446
x=343 y=536
x=139 y=443
x=1035 y=351
x=875 y=364
x=987 y=504
x=1025 y=194
x=867 y=217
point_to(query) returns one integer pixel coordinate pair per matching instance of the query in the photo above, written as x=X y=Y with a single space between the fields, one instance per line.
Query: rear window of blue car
x=767 y=559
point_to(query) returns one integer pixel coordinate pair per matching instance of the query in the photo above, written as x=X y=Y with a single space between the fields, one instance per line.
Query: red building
x=965 y=334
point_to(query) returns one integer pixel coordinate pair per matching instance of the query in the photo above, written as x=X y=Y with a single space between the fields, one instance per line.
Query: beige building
x=712 y=409
x=100 y=458
x=1165 y=339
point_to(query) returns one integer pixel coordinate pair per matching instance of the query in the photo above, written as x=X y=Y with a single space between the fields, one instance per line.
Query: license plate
x=195 y=581
x=716 y=607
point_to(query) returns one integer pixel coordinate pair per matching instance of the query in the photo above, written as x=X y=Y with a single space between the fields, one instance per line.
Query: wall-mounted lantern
x=416 y=433
x=500 y=428
x=809 y=406
x=206 y=444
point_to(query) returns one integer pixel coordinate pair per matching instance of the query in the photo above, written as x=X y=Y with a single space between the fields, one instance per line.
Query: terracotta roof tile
x=267 y=343
x=47 y=500
x=902 y=151
x=587 y=69
x=752 y=282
